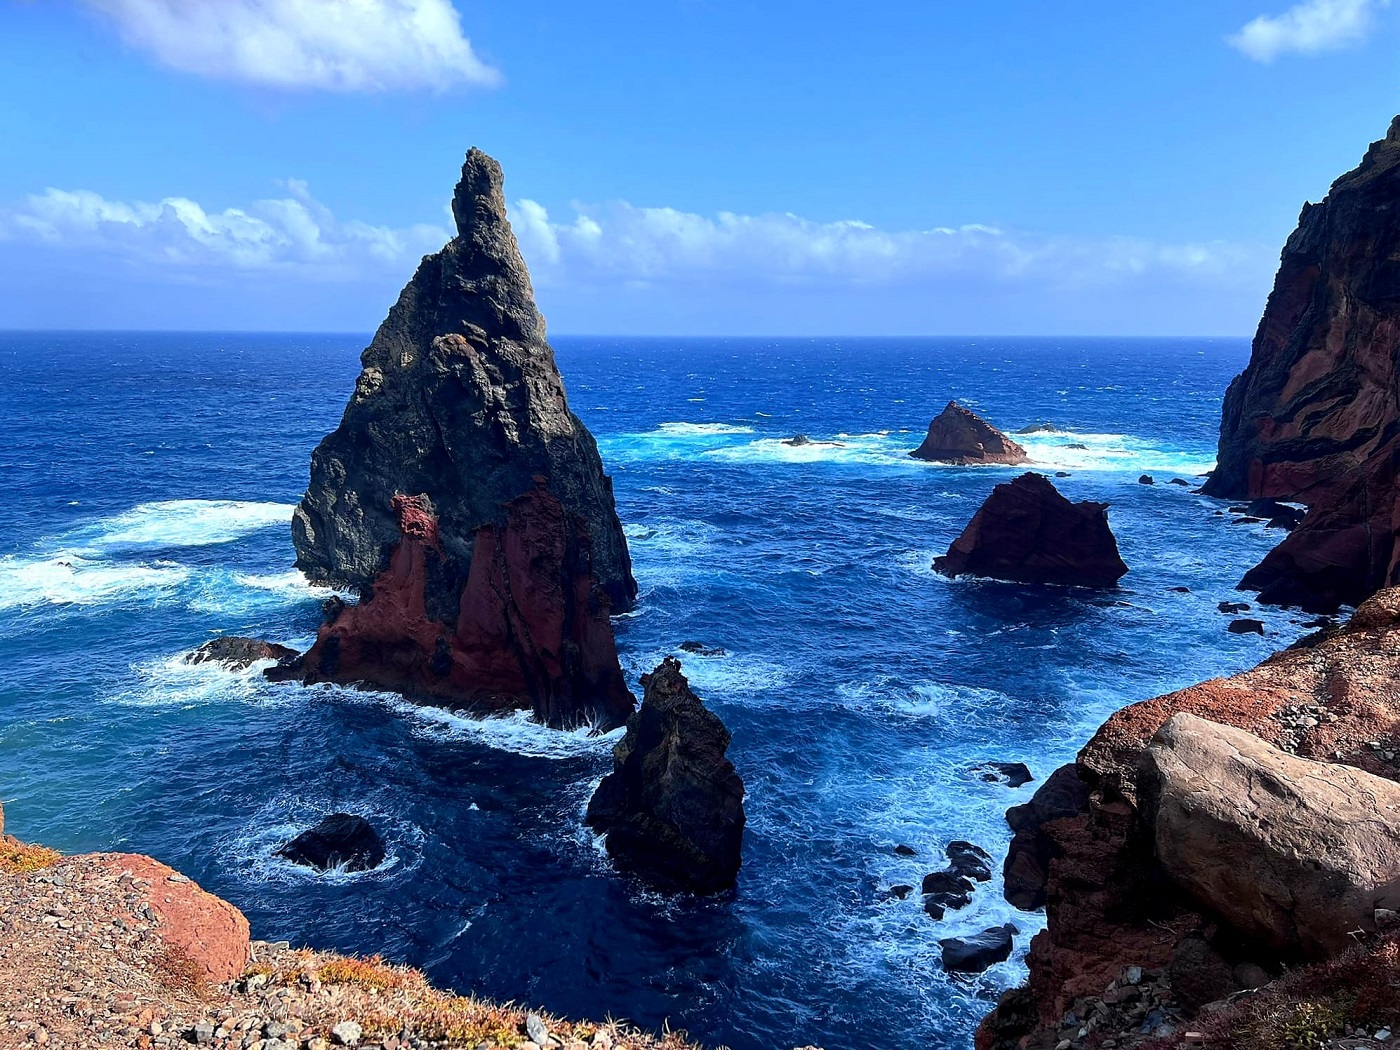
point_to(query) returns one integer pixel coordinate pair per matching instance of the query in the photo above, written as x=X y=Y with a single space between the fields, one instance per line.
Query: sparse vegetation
x=18 y=858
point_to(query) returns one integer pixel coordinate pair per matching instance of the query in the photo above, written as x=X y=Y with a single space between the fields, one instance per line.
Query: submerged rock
x=1039 y=428
x=673 y=806
x=960 y=436
x=701 y=649
x=465 y=502
x=341 y=840
x=1027 y=532
x=1294 y=853
x=797 y=440
x=1012 y=774
x=1315 y=417
x=238 y=654
x=1246 y=626
x=980 y=951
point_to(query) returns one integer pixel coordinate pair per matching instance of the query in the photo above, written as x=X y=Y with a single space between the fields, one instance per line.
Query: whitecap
x=254 y=848
x=1112 y=452
x=171 y=681
x=181 y=523
x=68 y=578
x=516 y=732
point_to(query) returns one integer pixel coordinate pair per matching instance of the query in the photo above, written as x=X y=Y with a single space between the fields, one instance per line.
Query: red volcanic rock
x=960 y=436
x=1027 y=532
x=531 y=630
x=1315 y=417
x=1109 y=905
x=210 y=933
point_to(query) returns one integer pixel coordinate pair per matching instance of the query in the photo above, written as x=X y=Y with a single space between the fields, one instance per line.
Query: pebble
x=347 y=1033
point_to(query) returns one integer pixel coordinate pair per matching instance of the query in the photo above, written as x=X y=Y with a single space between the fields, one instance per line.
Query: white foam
x=254 y=849
x=182 y=523
x=245 y=594
x=516 y=732
x=701 y=429
x=172 y=682
x=68 y=578
x=1111 y=452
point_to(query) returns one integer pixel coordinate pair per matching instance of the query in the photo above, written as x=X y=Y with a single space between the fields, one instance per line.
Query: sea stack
x=1315 y=417
x=961 y=437
x=464 y=502
x=673 y=806
x=1027 y=532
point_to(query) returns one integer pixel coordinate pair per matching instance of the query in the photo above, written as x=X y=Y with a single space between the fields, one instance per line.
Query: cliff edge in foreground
x=1315 y=417
x=464 y=502
x=1217 y=855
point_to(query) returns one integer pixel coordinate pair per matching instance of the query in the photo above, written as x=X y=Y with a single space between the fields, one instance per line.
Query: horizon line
x=626 y=335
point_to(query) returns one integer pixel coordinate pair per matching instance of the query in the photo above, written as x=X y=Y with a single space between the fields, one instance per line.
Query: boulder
x=970 y=861
x=1231 y=608
x=341 y=840
x=210 y=935
x=1027 y=532
x=797 y=440
x=1315 y=418
x=238 y=654
x=1293 y=853
x=976 y=953
x=1039 y=428
x=465 y=502
x=701 y=649
x=962 y=437
x=673 y=806
x=1146 y=479
x=1246 y=626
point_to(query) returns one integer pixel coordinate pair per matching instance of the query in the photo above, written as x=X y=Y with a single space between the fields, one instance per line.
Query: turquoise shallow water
x=149 y=482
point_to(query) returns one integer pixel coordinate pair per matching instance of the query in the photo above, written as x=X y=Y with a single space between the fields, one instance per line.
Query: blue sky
x=681 y=166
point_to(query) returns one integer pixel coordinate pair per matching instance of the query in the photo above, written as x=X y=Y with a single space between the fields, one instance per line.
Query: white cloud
x=335 y=45
x=294 y=234
x=1306 y=28
x=631 y=245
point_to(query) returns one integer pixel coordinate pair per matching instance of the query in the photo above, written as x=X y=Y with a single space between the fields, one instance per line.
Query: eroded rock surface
x=1315 y=417
x=464 y=501
x=673 y=806
x=1027 y=532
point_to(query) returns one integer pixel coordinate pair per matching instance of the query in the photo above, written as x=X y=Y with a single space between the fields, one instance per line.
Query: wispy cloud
x=288 y=262
x=294 y=233
x=334 y=45
x=620 y=242
x=1307 y=28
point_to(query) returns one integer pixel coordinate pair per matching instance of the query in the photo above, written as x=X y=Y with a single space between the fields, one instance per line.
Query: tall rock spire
x=458 y=445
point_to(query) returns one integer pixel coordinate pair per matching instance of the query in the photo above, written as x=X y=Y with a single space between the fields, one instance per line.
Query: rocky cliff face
x=1173 y=865
x=673 y=806
x=1315 y=417
x=960 y=436
x=464 y=501
x=1027 y=532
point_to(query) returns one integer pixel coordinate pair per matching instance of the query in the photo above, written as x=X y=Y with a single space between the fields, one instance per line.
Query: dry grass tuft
x=179 y=973
x=17 y=858
x=372 y=972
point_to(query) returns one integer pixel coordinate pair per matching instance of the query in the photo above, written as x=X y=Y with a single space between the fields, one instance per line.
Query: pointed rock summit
x=464 y=502
x=961 y=437
x=1027 y=532
x=673 y=806
x=1315 y=417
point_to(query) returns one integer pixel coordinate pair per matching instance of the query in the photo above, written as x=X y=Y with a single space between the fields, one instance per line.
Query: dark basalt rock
x=1246 y=626
x=1147 y=479
x=905 y=851
x=961 y=437
x=1180 y=481
x=980 y=951
x=341 y=840
x=459 y=409
x=238 y=654
x=701 y=649
x=1039 y=428
x=969 y=861
x=673 y=806
x=1027 y=866
x=798 y=439
x=1012 y=774
x=1231 y=608
x=1027 y=532
x=1315 y=417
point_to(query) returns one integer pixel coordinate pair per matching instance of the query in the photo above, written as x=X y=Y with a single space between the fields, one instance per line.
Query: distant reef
x=960 y=436
x=465 y=503
x=1315 y=417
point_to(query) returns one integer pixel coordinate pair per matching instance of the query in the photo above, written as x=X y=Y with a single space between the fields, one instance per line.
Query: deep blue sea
x=149 y=480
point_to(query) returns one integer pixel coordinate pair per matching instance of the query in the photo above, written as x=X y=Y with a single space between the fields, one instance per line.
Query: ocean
x=149 y=483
